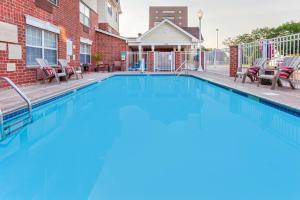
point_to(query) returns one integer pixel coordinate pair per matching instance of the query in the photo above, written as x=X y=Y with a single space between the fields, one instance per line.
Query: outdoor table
x=269 y=71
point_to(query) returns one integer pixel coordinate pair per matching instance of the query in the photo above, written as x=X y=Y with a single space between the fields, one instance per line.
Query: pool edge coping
x=10 y=113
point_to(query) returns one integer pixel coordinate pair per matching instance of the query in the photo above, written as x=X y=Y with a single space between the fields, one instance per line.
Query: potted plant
x=97 y=58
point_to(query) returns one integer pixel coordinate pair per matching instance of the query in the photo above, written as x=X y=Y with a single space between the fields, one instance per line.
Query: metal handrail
x=19 y=92
x=180 y=67
x=24 y=97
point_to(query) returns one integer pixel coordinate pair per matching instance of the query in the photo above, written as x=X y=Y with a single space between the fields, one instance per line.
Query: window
x=85 y=53
x=84 y=15
x=109 y=8
x=54 y=2
x=117 y=17
x=172 y=19
x=40 y=44
x=168 y=12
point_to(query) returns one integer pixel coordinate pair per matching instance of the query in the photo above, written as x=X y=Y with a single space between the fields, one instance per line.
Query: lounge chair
x=289 y=66
x=70 y=70
x=253 y=71
x=50 y=72
x=136 y=66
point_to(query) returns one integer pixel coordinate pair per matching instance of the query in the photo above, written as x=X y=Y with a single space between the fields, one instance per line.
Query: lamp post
x=217 y=37
x=216 y=50
x=200 y=16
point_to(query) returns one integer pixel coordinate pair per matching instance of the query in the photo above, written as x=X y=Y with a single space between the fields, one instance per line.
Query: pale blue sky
x=232 y=17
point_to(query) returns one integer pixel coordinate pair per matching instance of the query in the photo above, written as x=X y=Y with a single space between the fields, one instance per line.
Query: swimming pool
x=154 y=137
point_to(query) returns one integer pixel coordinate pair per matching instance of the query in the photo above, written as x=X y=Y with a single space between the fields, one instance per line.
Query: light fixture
x=200 y=14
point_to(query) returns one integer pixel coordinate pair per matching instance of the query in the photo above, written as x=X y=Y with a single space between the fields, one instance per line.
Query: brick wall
x=151 y=61
x=178 y=60
x=110 y=47
x=65 y=16
x=233 y=60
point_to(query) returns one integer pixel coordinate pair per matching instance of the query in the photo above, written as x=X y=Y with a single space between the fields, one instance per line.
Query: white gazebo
x=165 y=36
x=164 y=40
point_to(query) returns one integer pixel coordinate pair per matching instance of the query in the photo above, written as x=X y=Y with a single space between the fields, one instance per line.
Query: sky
x=231 y=17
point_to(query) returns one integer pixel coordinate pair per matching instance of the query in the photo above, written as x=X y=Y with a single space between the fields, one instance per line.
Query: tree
x=265 y=33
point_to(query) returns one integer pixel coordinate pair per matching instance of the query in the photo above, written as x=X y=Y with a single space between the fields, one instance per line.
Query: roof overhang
x=111 y=34
x=194 y=39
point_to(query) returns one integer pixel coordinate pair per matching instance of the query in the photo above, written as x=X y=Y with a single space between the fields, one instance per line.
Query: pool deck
x=10 y=101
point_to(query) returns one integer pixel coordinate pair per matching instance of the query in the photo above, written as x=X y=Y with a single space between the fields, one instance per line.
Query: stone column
x=234 y=60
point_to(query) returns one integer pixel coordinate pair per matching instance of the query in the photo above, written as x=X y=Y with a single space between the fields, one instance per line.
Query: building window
x=54 y=2
x=84 y=15
x=85 y=53
x=40 y=44
x=117 y=17
x=109 y=8
x=172 y=19
x=168 y=12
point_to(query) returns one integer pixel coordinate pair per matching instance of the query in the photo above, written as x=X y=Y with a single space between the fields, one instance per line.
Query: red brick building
x=54 y=29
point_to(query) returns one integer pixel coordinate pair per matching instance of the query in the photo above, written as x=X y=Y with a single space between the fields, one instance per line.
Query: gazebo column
x=140 y=52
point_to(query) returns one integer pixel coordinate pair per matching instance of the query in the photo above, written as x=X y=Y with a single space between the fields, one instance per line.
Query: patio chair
x=253 y=71
x=136 y=66
x=70 y=70
x=50 y=72
x=285 y=73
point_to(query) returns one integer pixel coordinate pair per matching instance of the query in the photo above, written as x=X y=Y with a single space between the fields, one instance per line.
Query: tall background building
x=178 y=15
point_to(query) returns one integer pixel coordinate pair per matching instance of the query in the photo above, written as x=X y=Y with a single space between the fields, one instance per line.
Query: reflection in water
x=147 y=137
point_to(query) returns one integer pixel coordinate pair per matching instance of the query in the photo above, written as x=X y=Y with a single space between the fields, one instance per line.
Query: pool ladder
x=181 y=70
x=11 y=126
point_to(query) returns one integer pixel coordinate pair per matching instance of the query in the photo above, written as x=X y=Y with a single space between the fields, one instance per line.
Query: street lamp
x=217 y=37
x=200 y=16
x=216 y=50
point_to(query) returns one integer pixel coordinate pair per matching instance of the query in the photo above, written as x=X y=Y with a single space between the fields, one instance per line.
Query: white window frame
x=109 y=9
x=83 y=15
x=117 y=17
x=85 y=53
x=43 y=46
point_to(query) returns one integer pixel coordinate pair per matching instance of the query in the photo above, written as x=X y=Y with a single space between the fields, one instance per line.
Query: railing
x=190 y=60
x=217 y=61
x=274 y=50
x=181 y=69
x=133 y=61
x=29 y=105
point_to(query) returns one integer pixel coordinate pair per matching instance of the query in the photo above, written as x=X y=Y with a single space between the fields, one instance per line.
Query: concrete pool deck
x=10 y=101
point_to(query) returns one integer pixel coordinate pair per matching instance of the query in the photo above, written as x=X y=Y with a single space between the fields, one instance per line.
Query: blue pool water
x=154 y=138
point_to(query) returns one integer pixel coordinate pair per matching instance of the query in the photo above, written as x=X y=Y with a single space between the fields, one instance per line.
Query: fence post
x=151 y=61
x=177 y=60
x=234 y=60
